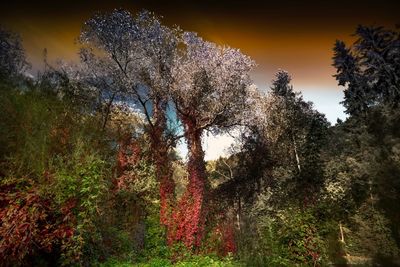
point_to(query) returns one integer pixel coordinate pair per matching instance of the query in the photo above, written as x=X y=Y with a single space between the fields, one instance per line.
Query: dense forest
x=90 y=174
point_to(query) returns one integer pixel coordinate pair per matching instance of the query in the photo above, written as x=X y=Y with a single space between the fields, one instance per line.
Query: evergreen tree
x=369 y=68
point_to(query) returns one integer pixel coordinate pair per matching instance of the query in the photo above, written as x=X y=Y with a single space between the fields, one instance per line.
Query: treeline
x=90 y=174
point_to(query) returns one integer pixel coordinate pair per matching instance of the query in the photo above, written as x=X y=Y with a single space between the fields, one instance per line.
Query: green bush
x=194 y=261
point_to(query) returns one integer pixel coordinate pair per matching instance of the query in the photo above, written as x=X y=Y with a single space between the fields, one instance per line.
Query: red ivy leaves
x=221 y=239
x=129 y=153
x=228 y=237
x=29 y=223
x=167 y=188
x=189 y=216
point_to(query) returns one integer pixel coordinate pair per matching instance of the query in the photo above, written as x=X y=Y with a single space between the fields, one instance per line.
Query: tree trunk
x=163 y=165
x=196 y=187
x=107 y=111
x=239 y=214
x=296 y=154
x=190 y=216
x=341 y=232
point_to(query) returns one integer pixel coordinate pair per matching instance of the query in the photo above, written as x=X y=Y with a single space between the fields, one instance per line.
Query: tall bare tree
x=135 y=56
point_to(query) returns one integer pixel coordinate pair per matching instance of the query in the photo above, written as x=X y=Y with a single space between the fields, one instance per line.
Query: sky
x=293 y=35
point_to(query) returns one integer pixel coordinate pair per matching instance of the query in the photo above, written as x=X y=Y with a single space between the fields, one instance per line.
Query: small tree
x=12 y=55
x=305 y=132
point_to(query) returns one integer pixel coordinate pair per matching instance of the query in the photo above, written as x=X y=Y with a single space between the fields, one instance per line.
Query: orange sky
x=307 y=55
x=297 y=36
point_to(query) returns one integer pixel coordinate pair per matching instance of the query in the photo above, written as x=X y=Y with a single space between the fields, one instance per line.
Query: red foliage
x=221 y=238
x=129 y=153
x=311 y=248
x=163 y=170
x=189 y=216
x=167 y=189
x=29 y=223
x=228 y=239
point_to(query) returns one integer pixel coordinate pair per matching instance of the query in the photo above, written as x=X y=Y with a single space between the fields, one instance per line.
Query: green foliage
x=155 y=241
x=26 y=122
x=207 y=261
x=50 y=141
x=291 y=237
x=370 y=234
x=82 y=180
x=12 y=57
x=299 y=235
x=194 y=261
